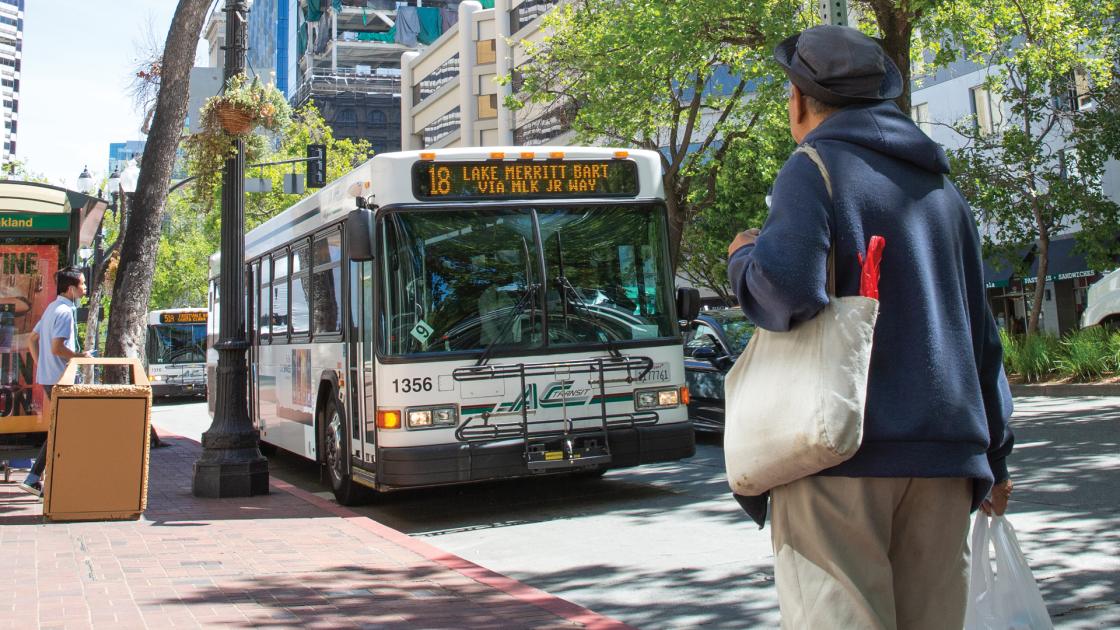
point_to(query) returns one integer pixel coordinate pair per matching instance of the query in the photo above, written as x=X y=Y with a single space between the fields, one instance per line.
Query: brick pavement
x=285 y=560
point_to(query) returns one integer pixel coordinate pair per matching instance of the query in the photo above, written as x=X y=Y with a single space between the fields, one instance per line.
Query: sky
x=78 y=59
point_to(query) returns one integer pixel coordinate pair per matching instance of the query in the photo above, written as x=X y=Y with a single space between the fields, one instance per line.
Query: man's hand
x=997 y=503
x=742 y=239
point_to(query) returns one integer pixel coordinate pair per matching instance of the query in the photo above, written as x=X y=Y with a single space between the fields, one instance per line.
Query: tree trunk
x=896 y=24
x=1039 y=283
x=133 y=286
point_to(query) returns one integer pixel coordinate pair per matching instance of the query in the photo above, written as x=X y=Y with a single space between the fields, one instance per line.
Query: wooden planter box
x=97 y=449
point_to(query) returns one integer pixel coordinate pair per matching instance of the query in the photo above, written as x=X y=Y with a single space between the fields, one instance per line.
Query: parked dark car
x=711 y=344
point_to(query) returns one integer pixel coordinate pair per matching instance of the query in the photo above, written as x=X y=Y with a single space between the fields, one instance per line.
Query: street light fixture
x=85 y=181
x=114 y=183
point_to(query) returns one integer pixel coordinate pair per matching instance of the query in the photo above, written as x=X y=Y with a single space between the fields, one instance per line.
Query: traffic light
x=316 y=165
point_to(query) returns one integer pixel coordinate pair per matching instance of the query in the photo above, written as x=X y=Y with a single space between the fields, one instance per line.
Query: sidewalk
x=285 y=560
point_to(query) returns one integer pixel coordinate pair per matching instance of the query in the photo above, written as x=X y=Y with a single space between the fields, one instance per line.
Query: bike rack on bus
x=566 y=447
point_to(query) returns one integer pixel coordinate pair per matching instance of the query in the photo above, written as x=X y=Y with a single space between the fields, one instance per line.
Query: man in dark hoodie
x=880 y=541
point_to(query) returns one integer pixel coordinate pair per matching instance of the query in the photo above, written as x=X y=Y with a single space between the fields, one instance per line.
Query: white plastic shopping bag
x=1008 y=598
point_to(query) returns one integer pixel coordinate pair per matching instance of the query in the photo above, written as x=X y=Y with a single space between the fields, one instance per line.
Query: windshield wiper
x=507 y=323
x=577 y=301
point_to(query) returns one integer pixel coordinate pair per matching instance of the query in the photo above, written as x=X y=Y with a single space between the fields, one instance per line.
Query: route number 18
x=441 y=180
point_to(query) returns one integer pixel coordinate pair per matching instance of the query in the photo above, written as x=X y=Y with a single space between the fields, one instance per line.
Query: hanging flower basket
x=235 y=120
x=243 y=106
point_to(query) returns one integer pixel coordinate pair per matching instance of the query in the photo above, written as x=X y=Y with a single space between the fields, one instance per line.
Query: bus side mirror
x=359 y=235
x=688 y=303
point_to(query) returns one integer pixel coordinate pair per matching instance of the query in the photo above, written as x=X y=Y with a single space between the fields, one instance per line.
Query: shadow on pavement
x=1066 y=505
x=359 y=596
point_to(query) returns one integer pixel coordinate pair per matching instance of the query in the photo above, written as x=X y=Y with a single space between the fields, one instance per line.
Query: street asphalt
x=664 y=546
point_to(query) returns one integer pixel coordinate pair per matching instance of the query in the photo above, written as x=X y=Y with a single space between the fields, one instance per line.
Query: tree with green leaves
x=742 y=183
x=190 y=235
x=687 y=79
x=895 y=23
x=1031 y=165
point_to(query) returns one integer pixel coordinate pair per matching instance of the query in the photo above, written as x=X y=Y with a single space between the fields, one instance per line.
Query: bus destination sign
x=481 y=180
x=183 y=318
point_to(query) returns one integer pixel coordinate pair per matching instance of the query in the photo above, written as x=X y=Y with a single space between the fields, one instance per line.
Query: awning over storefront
x=41 y=209
x=1064 y=263
x=998 y=270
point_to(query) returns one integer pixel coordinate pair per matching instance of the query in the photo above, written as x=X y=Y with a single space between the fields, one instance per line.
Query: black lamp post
x=231 y=464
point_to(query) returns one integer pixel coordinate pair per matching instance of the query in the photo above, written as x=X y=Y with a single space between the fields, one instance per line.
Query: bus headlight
x=153 y=377
x=660 y=398
x=432 y=417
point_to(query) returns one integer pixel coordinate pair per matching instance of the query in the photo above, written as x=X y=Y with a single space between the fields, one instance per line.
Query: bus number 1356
x=409 y=385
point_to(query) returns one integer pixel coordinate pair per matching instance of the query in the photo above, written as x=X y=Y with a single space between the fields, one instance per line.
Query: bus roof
x=372 y=179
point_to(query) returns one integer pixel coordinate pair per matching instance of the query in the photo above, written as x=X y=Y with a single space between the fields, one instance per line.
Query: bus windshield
x=463 y=281
x=176 y=343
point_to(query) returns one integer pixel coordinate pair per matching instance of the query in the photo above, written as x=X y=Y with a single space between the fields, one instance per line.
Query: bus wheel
x=336 y=448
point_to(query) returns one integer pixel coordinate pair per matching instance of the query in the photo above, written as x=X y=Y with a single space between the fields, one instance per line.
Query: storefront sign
x=22 y=222
x=1084 y=273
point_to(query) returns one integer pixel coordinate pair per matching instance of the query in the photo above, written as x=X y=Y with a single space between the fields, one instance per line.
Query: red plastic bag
x=869 y=276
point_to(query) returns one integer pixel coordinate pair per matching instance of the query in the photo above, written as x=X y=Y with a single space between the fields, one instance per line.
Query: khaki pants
x=882 y=553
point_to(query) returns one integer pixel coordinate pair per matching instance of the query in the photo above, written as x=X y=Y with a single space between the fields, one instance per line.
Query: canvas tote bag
x=794 y=400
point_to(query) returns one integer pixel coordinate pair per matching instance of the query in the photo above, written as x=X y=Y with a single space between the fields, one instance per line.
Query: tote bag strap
x=812 y=154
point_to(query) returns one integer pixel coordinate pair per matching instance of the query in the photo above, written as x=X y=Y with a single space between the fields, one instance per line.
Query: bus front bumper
x=442 y=464
x=176 y=390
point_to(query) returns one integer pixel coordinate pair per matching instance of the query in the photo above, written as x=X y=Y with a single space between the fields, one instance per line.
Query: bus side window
x=280 y=295
x=300 y=290
x=252 y=297
x=264 y=290
x=326 y=302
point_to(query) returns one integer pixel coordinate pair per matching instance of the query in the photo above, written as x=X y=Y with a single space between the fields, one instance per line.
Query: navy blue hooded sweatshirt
x=938 y=402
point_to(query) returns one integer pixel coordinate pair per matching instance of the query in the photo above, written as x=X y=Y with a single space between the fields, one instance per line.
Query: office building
x=121 y=152
x=11 y=57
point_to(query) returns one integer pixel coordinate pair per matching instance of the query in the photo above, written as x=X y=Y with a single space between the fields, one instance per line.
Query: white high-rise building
x=11 y=56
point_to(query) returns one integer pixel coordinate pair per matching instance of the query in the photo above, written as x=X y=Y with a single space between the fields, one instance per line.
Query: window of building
x=485 y=52
x=346 y=116
x=987 y=109
x=920 y=114
x=1080 y=91
x=487 y=106
x=376 y=118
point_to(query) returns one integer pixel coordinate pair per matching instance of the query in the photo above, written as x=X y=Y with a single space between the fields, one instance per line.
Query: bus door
x=363 y=433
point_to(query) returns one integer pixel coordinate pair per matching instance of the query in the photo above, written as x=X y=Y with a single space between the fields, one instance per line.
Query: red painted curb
x=518 y=590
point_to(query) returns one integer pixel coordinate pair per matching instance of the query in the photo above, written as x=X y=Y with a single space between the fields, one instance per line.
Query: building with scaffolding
x=344 y=55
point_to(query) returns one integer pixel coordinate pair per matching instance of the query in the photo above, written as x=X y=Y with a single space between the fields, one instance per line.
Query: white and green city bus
x=175 y=352
x=461 y=315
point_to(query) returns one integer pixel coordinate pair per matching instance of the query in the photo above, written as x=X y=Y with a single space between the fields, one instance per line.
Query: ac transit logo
x=556 y=394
